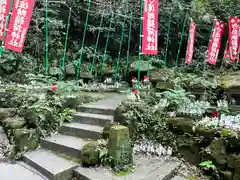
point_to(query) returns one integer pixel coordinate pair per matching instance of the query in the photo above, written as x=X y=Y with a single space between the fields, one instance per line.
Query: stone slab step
x=146 y=169
x=96 y=109
x=92 y=119
x=166 y=172
x=84 y=131
x=50 y=165
x=68 y=145
x=19 y=171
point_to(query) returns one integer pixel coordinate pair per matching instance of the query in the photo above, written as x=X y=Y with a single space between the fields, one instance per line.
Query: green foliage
x=210 y=167
x=36 y=34
x=147 y=118
x=32 y=60
x=47 y=115
x=177 y=97
x=207 y=164
x=39 y=111
x=219 y=8
x=39 y=79
x=144 y=121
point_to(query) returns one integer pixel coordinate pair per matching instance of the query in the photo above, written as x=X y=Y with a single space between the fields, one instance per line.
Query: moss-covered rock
x=180 y=124
x=53 y=71
x=143 y=58
x=160 y=75
x=226 y=175
x=206 y=133
x=84 y=98
x=108 y=71
x=26 y=138
x=162 y=86
x=11 y=97
x=6 y=113
x=236 y=175
x=192 y=178
x=4 y=144
x=86 y=75
x=14 y=122
x=70 y=102
x=197 y=88
x=200 y=92
x=118 y=114
x=233 y=161
x=70 y=69
x=144 y=66
x=232 y=140
x=91 y=153
x=31 y=116
x=217 y=151
x=230 y=80
x=225 y=132
x=189 y=148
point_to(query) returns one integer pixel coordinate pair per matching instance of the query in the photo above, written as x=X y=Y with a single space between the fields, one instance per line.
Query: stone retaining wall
x=198 y=144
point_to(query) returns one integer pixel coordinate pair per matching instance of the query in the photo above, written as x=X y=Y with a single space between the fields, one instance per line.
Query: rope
x=105 y=50
x=96 y=45
x=120 y=49
x=83 y=41
x=169 y=27
x=140 y=42
x=66 y=41
x=6 y=26
x=46 y=36
x=180 y=43
x=129 y=42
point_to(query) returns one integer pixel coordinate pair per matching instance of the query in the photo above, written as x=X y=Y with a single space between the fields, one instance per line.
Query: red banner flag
x=239 y=38
x=4 y=10
x=150 y=27
x=215 y=43
x=190 y=48
x=233 y=23
x=18 y=25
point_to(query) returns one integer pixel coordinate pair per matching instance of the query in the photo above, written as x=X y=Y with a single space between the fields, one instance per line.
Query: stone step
x=164 y=172
x=146 y=169
x=178 y=178
x=84 y=131
x=68 y=145
x=96 y=109
x=19 y=171
x=50 y=165
x=92 y=119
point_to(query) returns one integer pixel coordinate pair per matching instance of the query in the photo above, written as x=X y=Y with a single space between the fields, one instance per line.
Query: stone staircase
x=56 y=158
